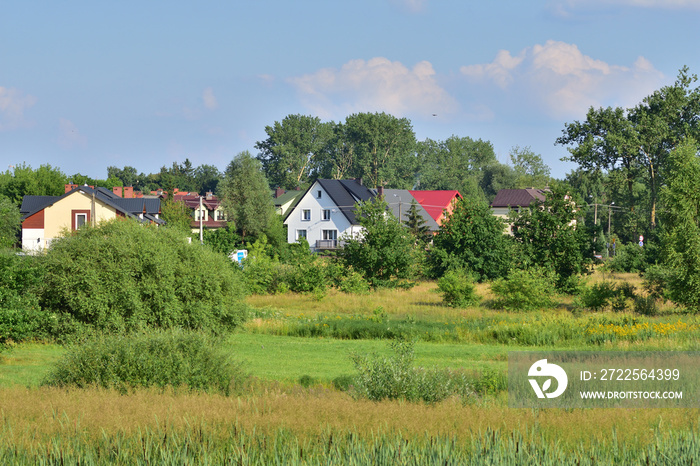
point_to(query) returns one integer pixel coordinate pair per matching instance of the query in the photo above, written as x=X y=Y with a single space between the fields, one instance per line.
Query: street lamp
x=400 y=201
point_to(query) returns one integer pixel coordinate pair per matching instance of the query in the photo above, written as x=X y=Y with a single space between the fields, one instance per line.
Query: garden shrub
x=628 y=258
x=524 y=290
x=156 y=359
x=607 y=294
x=123 y=276
x=457 y=289
x=395 y=377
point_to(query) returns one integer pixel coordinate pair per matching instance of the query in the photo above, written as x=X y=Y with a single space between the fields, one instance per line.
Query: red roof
x=434 y=202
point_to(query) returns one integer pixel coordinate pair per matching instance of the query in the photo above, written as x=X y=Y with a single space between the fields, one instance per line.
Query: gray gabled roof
x=36 y=203
x=517 y=197
x=400 y=200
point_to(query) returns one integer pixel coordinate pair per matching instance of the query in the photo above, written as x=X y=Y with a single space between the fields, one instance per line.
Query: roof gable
x=434 y=202
x=345 y=194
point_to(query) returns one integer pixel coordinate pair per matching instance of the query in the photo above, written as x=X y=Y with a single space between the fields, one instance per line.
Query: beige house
x=45 y=218
x=507 y=200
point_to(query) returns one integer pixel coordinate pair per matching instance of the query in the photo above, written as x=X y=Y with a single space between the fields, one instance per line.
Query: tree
x=177 y=216
x=417 y=224
x=383 y=148
x=23 y=180
x=128 y=175
x=206 y=178
x=245 y=196
x=473 y=239
x=456 y=163
x=636 y=142
x=293 y=151
x=10 y=219
x=530 y=169
x=385 y=250
x=552 y=235
x=681 y=240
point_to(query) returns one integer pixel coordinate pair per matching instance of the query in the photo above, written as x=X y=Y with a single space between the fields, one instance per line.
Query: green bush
x=524 y=290
x=395 y=377
x=607 y=294
x=628 y=258
x=123 y=276
x=158 y=359
x=457 y=289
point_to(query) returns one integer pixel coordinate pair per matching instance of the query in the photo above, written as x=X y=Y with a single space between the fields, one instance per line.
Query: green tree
x=417 y=224
x=530 y=169
x=681 y=240
x=636 y=142
x=206 y=178
x=385 y=250
x=23 y=180
x=177 y=216
x=552 y=235
x=293 y=151
x=10 y=219
x=128 y=175
x=245 y=196
x=384 y=149
x=473 y=239
x=456 y=163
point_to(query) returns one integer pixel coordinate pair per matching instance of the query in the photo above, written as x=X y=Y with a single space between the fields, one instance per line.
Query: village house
x=45 y=218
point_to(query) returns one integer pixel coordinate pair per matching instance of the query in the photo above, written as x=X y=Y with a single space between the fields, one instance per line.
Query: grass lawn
x=26 y=364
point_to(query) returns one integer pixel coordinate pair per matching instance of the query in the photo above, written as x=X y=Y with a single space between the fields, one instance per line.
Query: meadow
x=295 y=346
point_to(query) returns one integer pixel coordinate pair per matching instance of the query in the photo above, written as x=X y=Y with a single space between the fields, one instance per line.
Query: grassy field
x=278 y=418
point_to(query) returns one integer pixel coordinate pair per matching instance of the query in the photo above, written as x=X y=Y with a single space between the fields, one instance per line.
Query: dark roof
x=517 y=197
x=36 y=203
x=345 y=193
x=131 y=207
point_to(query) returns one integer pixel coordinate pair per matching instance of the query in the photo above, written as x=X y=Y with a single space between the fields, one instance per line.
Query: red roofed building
x=438 y=204
x=212 y=213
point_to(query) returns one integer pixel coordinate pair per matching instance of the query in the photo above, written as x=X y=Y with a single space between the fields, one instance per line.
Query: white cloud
x=209 y=99
x=69 y=136
x=374 y=85
x=13 y=103
x=564 y=82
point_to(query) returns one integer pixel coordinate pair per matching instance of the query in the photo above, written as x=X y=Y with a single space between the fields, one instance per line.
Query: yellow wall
x=58 y=216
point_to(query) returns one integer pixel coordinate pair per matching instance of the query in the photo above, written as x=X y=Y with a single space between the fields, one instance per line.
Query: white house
x=326 y=212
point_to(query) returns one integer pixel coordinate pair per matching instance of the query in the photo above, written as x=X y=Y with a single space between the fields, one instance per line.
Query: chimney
x=129 y=192
x=380 y=192
x=70 y=187
x=209 y=195
x=278 y=192
x=117 y=190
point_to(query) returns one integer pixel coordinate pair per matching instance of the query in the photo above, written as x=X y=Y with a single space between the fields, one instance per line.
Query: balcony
x=329 y=244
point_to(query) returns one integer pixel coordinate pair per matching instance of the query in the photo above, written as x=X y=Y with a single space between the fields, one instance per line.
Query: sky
x=89 y=84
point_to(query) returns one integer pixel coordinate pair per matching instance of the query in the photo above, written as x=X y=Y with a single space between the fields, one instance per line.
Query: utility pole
x=201 y=226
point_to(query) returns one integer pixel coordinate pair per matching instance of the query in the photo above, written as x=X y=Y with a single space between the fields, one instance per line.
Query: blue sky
x=89 y=84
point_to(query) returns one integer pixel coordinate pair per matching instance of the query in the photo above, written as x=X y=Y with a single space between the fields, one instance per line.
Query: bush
x=628 y=258
x=524 y=290
x=457 y=289
x=606 y=294
x=123 y=276
x=395 y=377
x=159 y=359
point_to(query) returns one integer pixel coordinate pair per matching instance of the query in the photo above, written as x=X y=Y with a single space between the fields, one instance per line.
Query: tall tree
x=417 y=224
x=384 y=148
x=456 y=163
x=23 y=180
x=530 y=169
x=637 y=141
x=293 y=151
x=9 y=222
x=245 y=195
x=681 y=240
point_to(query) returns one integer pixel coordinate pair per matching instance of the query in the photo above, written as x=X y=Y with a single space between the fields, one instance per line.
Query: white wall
x=33 y=239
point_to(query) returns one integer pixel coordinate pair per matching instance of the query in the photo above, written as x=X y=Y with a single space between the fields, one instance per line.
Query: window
x=330 y=234
x=306 y=214
x=301 y=234
x=318 y=194
x=326 y=214
x=80 y=220
x=200 y=214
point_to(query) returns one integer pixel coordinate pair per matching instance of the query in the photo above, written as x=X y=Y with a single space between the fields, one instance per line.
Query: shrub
x=457 y=289
x=123 y=276
x=645 y=305
x=158 y=359
x=395 y=377
x=524 y=290
x=628 y=258
x=606 y=294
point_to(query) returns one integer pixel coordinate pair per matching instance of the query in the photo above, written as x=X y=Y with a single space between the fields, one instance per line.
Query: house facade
x=206 y=208
x=326 y=212
x=45 y=218
x=507 y=200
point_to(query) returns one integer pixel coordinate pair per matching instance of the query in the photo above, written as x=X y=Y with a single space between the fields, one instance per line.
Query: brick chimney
x=70 y=187
x=117 y=190
x=278 y=192
x=209 y=195
x=380 y=192
x=128 y=192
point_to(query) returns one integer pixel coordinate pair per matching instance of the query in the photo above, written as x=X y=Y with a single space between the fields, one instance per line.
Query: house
x=515 y=199
x=285 y=200
x=208 y=208
x=325 y=212
x=438 y=204
x=44 y=218
x=399 y=201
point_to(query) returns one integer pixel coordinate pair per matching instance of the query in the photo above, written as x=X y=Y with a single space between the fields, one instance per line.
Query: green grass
x=27 y=364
